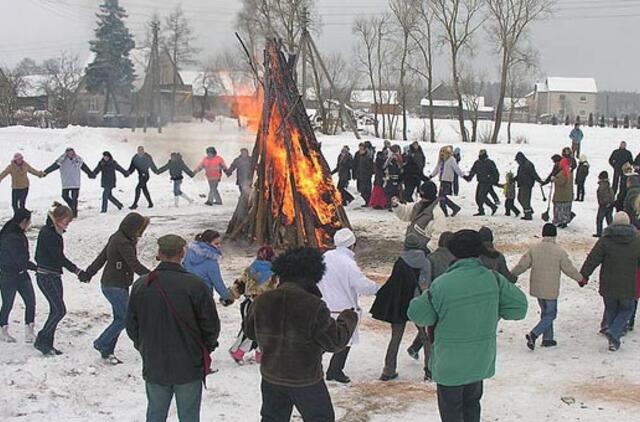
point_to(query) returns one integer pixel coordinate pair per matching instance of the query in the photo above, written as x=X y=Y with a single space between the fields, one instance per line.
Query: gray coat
x=243 y=166
x=447 y=170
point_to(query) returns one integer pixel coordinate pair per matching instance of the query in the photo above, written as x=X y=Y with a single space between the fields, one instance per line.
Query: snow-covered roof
x=558 y=84
x=366 y=96
x=454 y=103
x=223 y=82
x=34 y=86
x=517 y=103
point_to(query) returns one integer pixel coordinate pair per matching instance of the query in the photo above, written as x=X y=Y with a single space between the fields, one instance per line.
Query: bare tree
x=472 y=86
x=406 y=21
x=519 y=81
x=179 y=43
x=11 y=83
x=459 y=20
x=510 y=21
x=65 y=74
x=423 y=37
x=344 y=79
x=366 y=36
x=383 y=63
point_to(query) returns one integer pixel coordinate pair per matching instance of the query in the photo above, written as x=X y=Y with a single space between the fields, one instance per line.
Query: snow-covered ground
x=579 y=380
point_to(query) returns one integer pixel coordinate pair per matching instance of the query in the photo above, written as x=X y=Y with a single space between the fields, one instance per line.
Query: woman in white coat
x=446 y=169
x=341 y=285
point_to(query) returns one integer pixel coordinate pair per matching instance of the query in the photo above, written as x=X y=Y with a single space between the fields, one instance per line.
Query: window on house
x=583 y=99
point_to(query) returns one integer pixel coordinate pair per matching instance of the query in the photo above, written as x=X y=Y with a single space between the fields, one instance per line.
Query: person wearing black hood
x=411 y=275
x=618 y=158
x=526 y=179
x=494 y=259
x=120 y=261
x=486 y=172
x=108 y=167
x=363 y=171
x=177 y=167
x=343 y=168
x=413 y=170
x=142 y=162
x=617 y=253
x=424 y=216
x=14 y=278
x=293 y=328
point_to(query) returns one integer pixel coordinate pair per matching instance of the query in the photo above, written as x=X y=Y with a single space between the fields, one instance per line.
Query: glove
x=583 y=282
x=84 y=277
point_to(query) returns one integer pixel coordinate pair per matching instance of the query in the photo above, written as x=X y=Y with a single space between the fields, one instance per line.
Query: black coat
x=582 y=172
x=14 y=250
x=142 y=164
x=170 y=353
x=527 y=175
x=176 y=167
x=50 y=250
x=392 y=300
x=108 y=170
x=343 y=167
x=362 y=166
x=413 y=169
x=485 y=170
x=619 y=157
x=293 y=328
x=378 y=180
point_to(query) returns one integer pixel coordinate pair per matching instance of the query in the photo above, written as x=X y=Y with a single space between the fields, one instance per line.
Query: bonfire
x=294 y=201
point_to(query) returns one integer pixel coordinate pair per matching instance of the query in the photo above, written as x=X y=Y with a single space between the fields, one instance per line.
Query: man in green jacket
x=463 y=307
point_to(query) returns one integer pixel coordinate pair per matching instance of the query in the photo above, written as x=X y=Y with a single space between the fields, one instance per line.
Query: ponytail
x=207 y=236
x=60 y=212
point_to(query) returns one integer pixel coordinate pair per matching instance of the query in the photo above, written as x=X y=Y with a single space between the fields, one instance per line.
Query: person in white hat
x=341 y=285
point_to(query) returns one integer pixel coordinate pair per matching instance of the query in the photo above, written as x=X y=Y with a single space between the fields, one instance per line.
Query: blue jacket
x=576 y=135
x=202 y=260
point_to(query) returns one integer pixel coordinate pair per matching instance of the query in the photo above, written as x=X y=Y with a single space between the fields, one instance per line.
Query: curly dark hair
x=300 y=264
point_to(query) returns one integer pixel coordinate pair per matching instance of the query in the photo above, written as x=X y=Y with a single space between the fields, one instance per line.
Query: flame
x=301 y=165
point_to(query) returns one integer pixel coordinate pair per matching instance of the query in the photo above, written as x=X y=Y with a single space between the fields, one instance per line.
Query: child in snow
x=606 y=199
x=50 y=261
x=256 y=279
x=509 y=188
x=176 y=167
x=581 y=177
x=203 y=260
x=14 y=276
x=19 y=171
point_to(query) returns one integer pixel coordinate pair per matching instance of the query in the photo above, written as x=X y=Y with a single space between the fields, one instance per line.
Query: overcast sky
x=586 y=38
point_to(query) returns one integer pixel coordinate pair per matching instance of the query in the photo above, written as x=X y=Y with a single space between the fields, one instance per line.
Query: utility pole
x=303 y=47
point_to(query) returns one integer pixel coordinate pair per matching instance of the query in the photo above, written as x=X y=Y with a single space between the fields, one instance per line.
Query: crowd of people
x=301 y=303
x=70 y=166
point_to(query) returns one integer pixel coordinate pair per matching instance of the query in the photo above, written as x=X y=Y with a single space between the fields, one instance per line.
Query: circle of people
x=302 y=303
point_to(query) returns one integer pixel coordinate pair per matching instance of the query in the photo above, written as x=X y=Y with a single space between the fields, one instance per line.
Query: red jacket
x=213 y=167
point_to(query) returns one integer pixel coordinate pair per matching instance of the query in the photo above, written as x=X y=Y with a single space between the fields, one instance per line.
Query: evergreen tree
x=111 y=72
x=567 y=120
x=615 y=122
x=590 y=122
x=626 y=121
x=602 y=121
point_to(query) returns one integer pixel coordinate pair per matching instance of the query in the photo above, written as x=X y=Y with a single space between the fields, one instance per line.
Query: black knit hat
x=549 y=230
x=467 y=244
x=428 y=190
x=486 y=234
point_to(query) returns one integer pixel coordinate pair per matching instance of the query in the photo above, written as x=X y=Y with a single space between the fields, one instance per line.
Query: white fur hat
x=344 y=238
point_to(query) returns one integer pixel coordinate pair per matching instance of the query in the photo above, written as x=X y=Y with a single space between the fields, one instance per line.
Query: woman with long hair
x=256 y=279
x=14 y=278
x=446 y=169
x=203 y=259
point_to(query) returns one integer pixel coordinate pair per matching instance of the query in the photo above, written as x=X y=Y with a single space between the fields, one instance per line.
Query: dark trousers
x=188 y=400
x=604 y=212
x=391 y=358
x=445 y=202
x=10 y=284
x=51 y=287
x=617 y=178
x=618 y=313
x=482 y=191
x=460 y=403
x=313 y=403
x=524 y=198
x=118 y=297
x=19 y=198
x=456 y=185
x=337 y=363
x=107 y=196
x=70 y=196
x=244 y=343
x=510 y=206
x=580 y=192
x=410 y=187
x=494 y=195
x=364 y=187
x=632 y=320
x=141 y=187
x=344 y=192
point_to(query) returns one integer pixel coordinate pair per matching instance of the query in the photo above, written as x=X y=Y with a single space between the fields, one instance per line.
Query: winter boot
x=413 y=353
x=494 y=210
x=531 y=341
x=549 y=343
x=527 y=216
x=385 y=377
x=29 y=333
x=340 y=377
x=5 y=336
x=237 y=356
x=479 y=214
x=133 y=207
x=112 y=360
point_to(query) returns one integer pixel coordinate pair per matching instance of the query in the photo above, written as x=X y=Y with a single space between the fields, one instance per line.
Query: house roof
x=34 y=86
x=559 y=84
x=366 y=96
x=454 y=103
x=223 y=82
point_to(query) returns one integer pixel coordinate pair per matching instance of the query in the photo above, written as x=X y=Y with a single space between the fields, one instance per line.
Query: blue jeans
x=51 y=287
x=119 y=299
x=177 y=187
x=10 y=284
x=188 y=398
x=548 y=313
x=107 y=196
x=618 y=312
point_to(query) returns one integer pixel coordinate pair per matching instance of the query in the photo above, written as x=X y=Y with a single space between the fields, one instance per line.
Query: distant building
x=562 y=97
x=218 y=92
x=445 y=105
x=382 y=102
x=33 y=92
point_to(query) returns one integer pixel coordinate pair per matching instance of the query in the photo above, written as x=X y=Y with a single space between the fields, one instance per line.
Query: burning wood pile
x=294 y=201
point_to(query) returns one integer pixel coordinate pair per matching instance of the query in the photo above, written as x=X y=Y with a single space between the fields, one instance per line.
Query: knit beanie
x=344 y=238
x=428 y=190
x=486 y=234
x=549 y=230
x=621 y=218
x=466 y=244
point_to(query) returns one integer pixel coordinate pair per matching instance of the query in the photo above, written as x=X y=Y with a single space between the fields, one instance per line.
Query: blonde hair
x=60 y=212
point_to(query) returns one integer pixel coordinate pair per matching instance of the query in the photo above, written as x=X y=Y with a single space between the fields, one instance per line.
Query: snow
x=467 y=101
x=367 y=97
x=528 y=386
x=558 y=84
